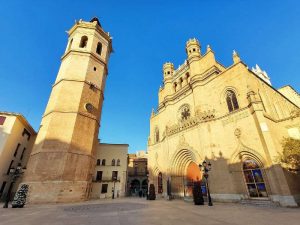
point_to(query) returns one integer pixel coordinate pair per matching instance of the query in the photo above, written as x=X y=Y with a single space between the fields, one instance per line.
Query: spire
x=208 y=48
x=152 y=113
x=236 y=57
x=261 y=73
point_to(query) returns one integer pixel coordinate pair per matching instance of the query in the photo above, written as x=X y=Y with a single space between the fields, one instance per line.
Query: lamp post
x=14 y=174
x=205 y=168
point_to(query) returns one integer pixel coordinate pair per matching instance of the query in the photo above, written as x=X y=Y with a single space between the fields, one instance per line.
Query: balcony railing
x=107 y=179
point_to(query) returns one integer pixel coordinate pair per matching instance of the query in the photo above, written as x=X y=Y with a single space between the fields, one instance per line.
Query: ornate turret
x=168 y=69
x=193 y=48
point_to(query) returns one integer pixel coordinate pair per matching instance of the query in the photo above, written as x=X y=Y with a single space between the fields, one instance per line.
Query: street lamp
x=14 y=174
x=205 y=167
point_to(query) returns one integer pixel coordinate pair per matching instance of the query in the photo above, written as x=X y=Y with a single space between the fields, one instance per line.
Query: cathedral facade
x=231 y=117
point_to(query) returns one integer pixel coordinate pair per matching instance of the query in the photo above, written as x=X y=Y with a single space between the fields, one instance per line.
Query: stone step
x=259 y=202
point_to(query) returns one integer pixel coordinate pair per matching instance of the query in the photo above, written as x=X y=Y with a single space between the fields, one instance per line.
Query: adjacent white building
x=110 y=176
x=16 y=141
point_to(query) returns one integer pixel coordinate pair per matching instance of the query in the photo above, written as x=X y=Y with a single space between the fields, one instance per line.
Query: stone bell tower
x=61 y=163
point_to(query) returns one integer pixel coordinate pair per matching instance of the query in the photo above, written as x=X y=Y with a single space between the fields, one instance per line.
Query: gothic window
x=103 y=162
x=156 y=133
x=159 y=183
x=99 y=48
x=118 y=162
x=254 y=179
x=231 y=100
x=113 y=162
x=83 y=42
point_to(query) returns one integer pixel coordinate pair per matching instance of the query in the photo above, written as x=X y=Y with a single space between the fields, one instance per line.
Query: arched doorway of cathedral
x=254 y=178
x=183 y=172
x=193 y=174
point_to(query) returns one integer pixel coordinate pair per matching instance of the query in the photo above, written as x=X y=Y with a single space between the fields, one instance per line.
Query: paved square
x=135 y=211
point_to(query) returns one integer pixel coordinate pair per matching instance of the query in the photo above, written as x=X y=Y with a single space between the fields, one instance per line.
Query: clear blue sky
x=145 y=35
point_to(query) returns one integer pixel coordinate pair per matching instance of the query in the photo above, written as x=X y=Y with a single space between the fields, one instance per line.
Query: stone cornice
x=91 y=54
x=83 y=81
x=73 y=112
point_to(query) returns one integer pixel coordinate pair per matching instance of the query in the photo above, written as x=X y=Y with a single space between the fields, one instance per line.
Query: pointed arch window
x=83 y=42
x=113 y=162
x=231 y=100
x=99 y=48
x=118 y=162
x=103 y=162
x=254 y=178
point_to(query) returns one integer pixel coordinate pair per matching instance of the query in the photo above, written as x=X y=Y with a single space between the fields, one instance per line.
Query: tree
x=152 y=195
x=197 y=194
x=290 y=157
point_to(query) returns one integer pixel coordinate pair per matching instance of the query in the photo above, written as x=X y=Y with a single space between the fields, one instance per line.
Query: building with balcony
x=109 y=178
x=16 y=141
x=137 y=173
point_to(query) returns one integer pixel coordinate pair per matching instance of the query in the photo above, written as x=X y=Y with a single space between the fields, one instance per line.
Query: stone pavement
x=136 y=211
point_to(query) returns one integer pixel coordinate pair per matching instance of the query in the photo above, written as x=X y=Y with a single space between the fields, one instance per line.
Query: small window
x=113 y=162
x=118 y=162
x=168 y=72
x=98 y=162
x=99 y=48
x=194 y=50
x=104 y=188
x=95 y=68
x=83 y=42
x=231 y=100
x=103 y=162
x=22 y=155
x=99 y=175
x=2 y=120
x=26 y=132
x=114 y=175
x=16 y=151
